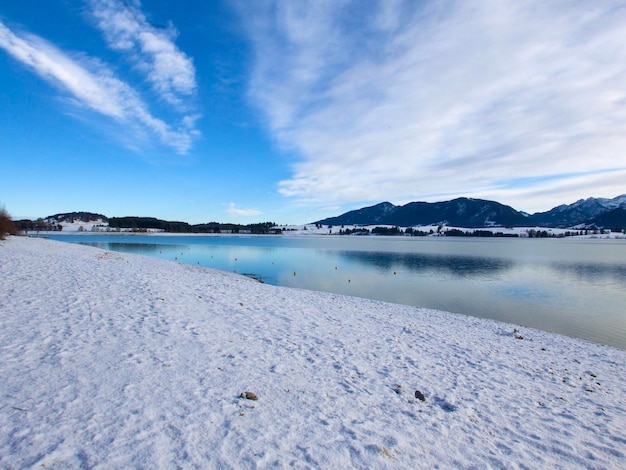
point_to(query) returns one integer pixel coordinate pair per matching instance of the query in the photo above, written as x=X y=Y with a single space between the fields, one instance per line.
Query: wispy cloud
x=152 y=49
x=404 y=100
x=235 y=211
x=90 y=84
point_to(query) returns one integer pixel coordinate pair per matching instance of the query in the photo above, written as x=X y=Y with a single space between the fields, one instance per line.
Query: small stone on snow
x=249 y=396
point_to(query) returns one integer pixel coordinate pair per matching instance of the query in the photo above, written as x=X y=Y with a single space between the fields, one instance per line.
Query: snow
x=112 y=360
x=312 y=229
x=99 y=226
x=80 y=226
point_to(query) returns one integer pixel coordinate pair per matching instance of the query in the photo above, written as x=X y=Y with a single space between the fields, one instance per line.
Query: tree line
x=140 y=224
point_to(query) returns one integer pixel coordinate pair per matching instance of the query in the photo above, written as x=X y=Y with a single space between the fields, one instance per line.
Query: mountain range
x=467 y=212
x=460 y=212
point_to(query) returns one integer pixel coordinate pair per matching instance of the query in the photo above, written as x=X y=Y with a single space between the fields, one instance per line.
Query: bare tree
x=6 y=224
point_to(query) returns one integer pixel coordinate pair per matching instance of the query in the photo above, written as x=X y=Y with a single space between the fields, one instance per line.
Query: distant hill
x=466 y=212
x=71 y=217
x=583 y=211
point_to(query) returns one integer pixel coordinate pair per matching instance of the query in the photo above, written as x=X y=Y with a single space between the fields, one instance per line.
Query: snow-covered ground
x=80 y=226
x=101 y=227
x=98 y=226
x=113 y=360
x=313 y=229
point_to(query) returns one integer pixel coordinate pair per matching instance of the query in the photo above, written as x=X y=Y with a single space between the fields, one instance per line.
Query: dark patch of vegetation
x=26 y=225
x=355 y=231
x=546 y=234
x=393 y=231
x=417 y=233
x=6 y=224
x=384 y=231
x=455 y=232
x=142 y=224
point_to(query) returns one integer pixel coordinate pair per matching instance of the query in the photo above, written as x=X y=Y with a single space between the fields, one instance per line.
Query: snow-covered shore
x=114 y=360
x=100 y=228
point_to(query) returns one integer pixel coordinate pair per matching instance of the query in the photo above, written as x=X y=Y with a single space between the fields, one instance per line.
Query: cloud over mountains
x=511 y=101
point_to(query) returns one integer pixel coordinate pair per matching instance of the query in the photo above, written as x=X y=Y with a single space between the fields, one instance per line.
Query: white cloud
x=405 y=101
x=234 y=211
x=151 y=49
x=92 y=85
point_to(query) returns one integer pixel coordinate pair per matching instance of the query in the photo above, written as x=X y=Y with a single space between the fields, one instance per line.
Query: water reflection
x=570 y=287
x=461 y=266
x=137 y=248
x=586 y=271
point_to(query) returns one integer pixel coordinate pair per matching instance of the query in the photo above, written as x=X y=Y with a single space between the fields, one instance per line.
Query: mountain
x=461 y=212
x=615 y=219
x=466 y=212
x=378 y=214
x=580 y=212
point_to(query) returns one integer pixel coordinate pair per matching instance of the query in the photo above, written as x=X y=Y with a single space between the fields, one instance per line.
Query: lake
x=576 y=287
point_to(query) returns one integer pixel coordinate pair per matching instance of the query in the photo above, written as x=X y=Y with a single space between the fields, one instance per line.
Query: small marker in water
x=294 y=273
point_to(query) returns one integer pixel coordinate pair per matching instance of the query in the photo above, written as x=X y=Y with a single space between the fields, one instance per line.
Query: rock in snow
x=249 y=396
x=114 y=360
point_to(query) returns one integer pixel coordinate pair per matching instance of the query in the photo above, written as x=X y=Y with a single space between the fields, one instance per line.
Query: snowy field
x=113 y=360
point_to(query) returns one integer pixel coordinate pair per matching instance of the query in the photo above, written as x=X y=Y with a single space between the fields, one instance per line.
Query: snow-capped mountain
x=461 y=212
x=466 y=212
x=580 y=212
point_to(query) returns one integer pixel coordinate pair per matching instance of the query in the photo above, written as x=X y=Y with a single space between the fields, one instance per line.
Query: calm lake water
x=576 y=287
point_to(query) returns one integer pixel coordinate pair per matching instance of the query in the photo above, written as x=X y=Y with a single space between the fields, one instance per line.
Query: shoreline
x=111 y=358
x=86 y=228
x=544 y=316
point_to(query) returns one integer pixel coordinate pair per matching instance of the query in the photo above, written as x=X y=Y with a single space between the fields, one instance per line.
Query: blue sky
x=292 y=111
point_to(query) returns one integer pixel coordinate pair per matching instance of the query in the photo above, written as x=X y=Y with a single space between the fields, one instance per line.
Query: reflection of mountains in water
x=457 y=265
x=583 y=271
x=138 y=248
